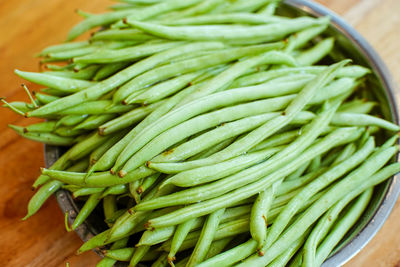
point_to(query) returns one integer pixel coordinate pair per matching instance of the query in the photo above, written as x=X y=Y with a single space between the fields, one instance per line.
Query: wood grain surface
x=27 y=26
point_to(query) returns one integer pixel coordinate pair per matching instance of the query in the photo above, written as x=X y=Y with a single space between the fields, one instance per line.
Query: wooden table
x=27 y=26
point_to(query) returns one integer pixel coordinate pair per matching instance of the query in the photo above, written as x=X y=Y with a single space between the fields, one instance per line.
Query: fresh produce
x=208 y=133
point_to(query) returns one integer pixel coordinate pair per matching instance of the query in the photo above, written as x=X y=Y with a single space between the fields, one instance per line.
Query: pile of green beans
x=208 y=133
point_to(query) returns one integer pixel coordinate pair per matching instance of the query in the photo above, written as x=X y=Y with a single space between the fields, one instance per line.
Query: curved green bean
x=254 y=34
x=206 y=237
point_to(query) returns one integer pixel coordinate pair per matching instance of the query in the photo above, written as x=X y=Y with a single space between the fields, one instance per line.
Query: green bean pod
x=67 y=85
x=179 y=236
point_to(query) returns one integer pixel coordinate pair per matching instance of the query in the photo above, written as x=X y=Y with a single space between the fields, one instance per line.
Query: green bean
x=301 y=38
x=54 y=92
x=126 y=54
x=297 y=173
x=138 y=255
x=242 y=5
x=110 y=69
x=86 y=146
x=85 y=74
x=354 y=180
x=297 y=260
x=284 y=258
x=102 y=148
x=45 y=99
x=322 y=227
x=121 y=34
x=161 y=261
x=207 y=152
x=109 y=208
x=54 y=67
x=122 y=254
x=98 y=240
x=233 y=255
x=71 y=120
x=277 y=140
x=128 y=119
x=85 y=191
x=164 y=89
x=94 y=121
x=71 y=188
x=108 y=262
x=205 y=207
x=69 y=54
x=269 y=8
x=96 y=20
x=263 y=76
x=98 y=179
x=133 y=187
x=44 y=137
x=115 y=190
x=255 y=34
x=206 y=237
x=121 y=77
x=202 y=105
x=147 y=183
x=66 y=131
x=291 y=184
x=217 y=246
x=242 y=18
x=347 y=151
x=44 y=192
x=160 y=235
x=316 y=53
x=67 y=85
x=63 y=47
x=95 y=108
x=86 y=210
x=214 y=172
x=200 y=8
x=358 y=106
x=79 y=166
x=124 y=6
x=18 y=107
x=46 y=126
x=187 y=66
x=116 y=215
x=322 y=181
x=61 y=163
x=180 y=235
x=259 y=215
x=314 y=164
x=270 y=127
x=125 y=254
x=70 y=132
x=354 y=119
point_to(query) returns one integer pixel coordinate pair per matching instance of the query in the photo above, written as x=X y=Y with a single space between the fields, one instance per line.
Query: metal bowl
x=348 y=43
